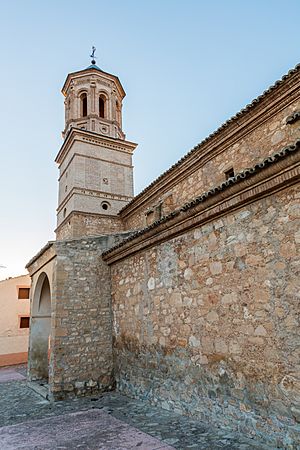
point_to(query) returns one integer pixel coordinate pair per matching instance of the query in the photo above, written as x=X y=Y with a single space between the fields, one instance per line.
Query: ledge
x=274 y=173
x=95 y=138
x=75 y=212
x=40 y=253
x=84 y=72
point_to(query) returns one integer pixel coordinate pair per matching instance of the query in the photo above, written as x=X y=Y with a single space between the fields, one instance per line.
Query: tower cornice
x=92 y=138
x=93 y=71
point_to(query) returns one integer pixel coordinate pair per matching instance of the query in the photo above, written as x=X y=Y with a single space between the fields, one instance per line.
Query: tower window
x=105 y=205
x=101 y=106
x=83 y=102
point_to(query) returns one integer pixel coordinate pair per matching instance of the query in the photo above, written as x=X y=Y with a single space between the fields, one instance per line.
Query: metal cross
x=93 y=55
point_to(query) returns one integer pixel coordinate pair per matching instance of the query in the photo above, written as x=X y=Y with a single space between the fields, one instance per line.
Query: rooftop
x=243 y=112
x=93 y=66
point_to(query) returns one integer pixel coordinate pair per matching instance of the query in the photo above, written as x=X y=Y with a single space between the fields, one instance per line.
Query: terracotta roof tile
x=293 y=118
x=222 y=127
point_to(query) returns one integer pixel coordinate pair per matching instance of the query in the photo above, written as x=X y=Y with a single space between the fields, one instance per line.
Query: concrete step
x=40 y=387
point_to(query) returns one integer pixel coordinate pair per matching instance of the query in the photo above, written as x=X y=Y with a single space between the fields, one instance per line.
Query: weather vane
x=93 y=55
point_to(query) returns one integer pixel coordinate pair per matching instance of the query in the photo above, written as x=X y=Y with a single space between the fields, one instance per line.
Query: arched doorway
x=39 y=340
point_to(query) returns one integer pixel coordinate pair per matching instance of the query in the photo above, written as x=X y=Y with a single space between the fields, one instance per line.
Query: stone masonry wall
x=81 y=224
x=207 y=323
x=243 y=150
x=81 y=336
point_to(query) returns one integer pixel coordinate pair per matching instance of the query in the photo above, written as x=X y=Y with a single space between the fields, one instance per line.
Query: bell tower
x=95 y=160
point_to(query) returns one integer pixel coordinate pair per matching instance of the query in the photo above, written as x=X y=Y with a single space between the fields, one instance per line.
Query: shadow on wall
x=39 y=348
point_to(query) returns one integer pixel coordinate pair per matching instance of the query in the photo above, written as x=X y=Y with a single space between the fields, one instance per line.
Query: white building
x=14 y=319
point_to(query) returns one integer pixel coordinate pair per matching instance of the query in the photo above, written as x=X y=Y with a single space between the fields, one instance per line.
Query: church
x=187 y=294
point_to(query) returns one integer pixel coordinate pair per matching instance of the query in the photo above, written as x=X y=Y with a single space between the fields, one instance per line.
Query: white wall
x=13 y=339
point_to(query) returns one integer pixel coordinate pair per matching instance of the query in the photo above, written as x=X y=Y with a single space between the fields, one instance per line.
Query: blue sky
x=186 y=66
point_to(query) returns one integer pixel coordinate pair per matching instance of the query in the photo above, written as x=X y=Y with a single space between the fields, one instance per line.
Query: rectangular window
x=23 y=293
x=24 y=322
x=229 y=173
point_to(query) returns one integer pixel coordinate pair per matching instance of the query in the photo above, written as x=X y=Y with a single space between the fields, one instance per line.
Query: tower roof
x=94 y=68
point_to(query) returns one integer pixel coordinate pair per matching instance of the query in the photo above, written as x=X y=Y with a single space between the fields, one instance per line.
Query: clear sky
x=186 y=66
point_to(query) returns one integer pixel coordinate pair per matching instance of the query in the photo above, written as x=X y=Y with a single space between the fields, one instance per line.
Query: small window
x=65 y=212
x=102 y=106
x=105 y=205
x=24 y=322
x=83 y=101
x=229 y=173
x=23 y=293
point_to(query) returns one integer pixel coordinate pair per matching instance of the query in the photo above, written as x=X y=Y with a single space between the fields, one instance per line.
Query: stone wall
x=81 y=336
x=78 y=316
x=246 y=139
x=84 y=224
x=38 y=263
x=207 y=322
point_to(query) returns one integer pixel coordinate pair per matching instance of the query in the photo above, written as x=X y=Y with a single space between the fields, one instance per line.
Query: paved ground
x=107 y=422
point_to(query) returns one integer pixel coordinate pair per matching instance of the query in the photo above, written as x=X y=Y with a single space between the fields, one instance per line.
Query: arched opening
x=102 y=106
x=83 y=105
x=105 y=206
x=40 y=327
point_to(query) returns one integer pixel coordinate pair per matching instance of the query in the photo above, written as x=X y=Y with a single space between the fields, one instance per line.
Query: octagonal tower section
x=95 y=160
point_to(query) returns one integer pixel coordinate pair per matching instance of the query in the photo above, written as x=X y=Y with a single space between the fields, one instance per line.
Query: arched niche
x=102 y=106
x=40 y=327
x=83 y=104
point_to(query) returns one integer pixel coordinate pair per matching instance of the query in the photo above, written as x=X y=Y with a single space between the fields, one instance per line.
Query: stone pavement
x=12 y=374
x=109 y=422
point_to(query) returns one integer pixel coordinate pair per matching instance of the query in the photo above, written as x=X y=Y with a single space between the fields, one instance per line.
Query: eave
x=85 y=72
x=278 y=171
x=96 y=137
x=282 y=93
